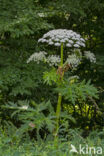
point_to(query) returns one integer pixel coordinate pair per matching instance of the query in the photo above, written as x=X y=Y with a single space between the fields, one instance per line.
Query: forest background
x=22 y=23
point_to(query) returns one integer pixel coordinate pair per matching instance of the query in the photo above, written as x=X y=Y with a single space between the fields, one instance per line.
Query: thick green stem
x=58 y=109
x=58 y=112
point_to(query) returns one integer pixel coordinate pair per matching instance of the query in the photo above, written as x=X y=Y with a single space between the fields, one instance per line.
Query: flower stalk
x=58 y=109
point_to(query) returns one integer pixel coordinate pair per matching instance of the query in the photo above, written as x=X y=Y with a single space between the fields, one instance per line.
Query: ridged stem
x=58 y=109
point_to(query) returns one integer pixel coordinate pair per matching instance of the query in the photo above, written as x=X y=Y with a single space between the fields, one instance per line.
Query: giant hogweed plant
x=65 y=38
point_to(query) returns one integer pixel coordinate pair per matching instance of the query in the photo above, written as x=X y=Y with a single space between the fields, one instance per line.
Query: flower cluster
x=37 y=57
x=68 y=37
x=90 y=56
x=53 y=60
x=41 y=56
x=73 y=60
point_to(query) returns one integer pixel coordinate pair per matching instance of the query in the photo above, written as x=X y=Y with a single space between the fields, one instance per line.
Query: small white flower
x=24 y=107
x=53 y=60
x=68 y=45
x=43 y=40
x=40 y=40
x=45 y=35
x=41 y=14
x=78 y=43
x=78 y=36
x=51 y=43
x=90 y=56
x=76 y=46
x=57 y=44
x=82 y=39
x=60 y=36
x=82 y=44
x=74 y=38
x=70 y=41
x=73 y=60
x=57 y=39
x=66 y=39
x=37 y=57
x=62 y=41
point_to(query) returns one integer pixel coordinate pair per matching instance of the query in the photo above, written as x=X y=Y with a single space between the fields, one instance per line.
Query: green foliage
x=19 y=78
x=33 y=117
x=79 y=90
x=21 y=24
x=50 y=77
x=22 y=19
x=27 y=147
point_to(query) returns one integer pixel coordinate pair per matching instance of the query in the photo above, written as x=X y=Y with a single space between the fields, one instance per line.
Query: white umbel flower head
x=73 y=60
x=68 y=37
x=37 y=57
x=53 y=60
x=89 y=55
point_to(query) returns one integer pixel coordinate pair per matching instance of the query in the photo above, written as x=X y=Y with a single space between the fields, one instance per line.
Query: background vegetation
x=22 y=23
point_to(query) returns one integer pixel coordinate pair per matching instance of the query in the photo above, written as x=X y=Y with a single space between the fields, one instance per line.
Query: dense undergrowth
x=29 y=91
x=12 y=145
